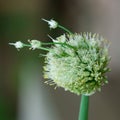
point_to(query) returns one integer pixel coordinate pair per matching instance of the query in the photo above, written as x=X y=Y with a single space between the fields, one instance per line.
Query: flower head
x=17 y=45
x=75 y=62
x=52 y=23
x=79 y=63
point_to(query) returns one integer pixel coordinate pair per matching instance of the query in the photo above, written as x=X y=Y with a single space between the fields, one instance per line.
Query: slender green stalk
x=83 y=113
x=42 y=48
x=53 y=43
x=65 y=29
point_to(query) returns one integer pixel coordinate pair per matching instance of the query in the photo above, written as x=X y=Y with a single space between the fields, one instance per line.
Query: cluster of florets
x=78 y=64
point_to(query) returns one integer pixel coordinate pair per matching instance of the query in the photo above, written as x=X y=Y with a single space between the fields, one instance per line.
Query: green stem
x=42 y=48
x=83 y=113
x=60 y=43
x=65 y=29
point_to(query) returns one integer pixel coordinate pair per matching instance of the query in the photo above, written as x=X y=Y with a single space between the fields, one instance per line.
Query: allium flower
x=52 y=23
x=78 y=64
x=17 y=45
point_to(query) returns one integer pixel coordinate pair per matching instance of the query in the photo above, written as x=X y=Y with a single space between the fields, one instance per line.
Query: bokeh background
x=23 y=94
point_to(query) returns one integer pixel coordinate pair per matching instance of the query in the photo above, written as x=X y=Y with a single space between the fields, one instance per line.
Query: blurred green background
x=23 y=94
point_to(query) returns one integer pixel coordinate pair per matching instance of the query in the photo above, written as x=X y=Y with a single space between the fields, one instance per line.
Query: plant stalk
x=84 y=105
x=65 y=29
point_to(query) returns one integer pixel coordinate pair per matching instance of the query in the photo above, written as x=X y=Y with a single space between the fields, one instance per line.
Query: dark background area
x=23 y=94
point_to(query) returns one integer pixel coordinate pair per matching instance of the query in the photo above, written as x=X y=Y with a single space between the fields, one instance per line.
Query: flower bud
x=35 y=44
x=52 y=23
x=17 y=45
